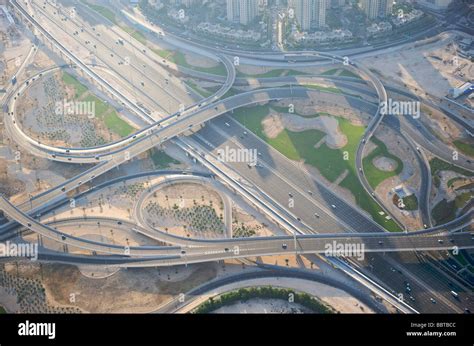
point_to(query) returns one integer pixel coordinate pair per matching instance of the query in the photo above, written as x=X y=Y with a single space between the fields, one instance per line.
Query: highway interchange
x=160 y=129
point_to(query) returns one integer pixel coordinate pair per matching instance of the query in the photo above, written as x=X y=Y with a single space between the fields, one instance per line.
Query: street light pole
x=294 y=238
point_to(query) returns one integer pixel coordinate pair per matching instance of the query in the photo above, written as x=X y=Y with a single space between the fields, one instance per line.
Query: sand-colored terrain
x=424 y=67
x=256 y=306
x=12 y=57
x=8 y=300
x=130 y=290
x=199 y=60
x=259 y=70
x=334 y=297
x=275 y=123
x=409 y=177
x=172 y=208
x=38 y=116
x=316 y=104
x=384 y=163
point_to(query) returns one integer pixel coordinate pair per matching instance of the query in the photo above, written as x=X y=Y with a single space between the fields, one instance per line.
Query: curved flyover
x=172 y=180
x=93 y=154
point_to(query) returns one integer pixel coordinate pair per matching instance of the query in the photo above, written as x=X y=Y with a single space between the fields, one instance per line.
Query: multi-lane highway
x=379 y=88
x=199 y=114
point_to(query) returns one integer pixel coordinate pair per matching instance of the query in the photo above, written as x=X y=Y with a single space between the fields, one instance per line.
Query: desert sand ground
x=429 y=67
x=275 y=123
x=255 y=306
x=335 y=298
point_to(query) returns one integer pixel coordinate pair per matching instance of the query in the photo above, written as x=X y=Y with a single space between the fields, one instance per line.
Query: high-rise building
x=386 y=7
x=376 y=8
x=248 y=11
x=436 y=4
x=370 y=7
x=233 y=10
x=303 y=13
x=242 y=11
x=319 y=13
x=336 y=3
x=310 y=13
x=189 y=3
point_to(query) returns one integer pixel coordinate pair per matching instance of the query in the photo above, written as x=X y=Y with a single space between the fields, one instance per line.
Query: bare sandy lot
x=256 y=306
x=428 y=67
x=409 y=177
x=275 y=123
x=335 y=298
x=175 y=208
x=385 y=164
x=61 y=288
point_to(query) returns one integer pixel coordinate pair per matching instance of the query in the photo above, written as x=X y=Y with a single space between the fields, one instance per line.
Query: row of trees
x=265 y=292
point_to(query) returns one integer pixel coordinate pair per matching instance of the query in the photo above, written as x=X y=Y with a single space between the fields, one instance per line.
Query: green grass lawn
x=374 y=175
x=347 y=73
x=411 y=202
x=330 y=162
x=179 y=58
x=437 y=165
x=104 y=11
x=330 y=72
x=161 y=159
x=72 y=81
x=117 y=125
x=100 y=106
x=324 y=88
x=445 y=211
x=272 y=73
x=103 y=111
x=2 y=310
x=464 y=147
x=106 y=113
x=201 y=91
x=461 y=200
x=137 y=35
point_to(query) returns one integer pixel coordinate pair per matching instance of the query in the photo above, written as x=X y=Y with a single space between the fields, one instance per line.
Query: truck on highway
x=454 y=294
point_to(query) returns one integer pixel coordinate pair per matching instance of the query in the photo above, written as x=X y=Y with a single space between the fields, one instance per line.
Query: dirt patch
x=9 y=186
x=427 y=67
x=132 y=290
x=315 y=104
x=255 y=306
x=274 y=124
x=409 y=177
x=385 y=164
x=200 y=61
x=186 y=210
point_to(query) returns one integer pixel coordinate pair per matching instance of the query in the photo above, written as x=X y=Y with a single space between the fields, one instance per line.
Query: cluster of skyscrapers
x=376 y=8
x=312 y=13
x=242 y=11
x=436 y=4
